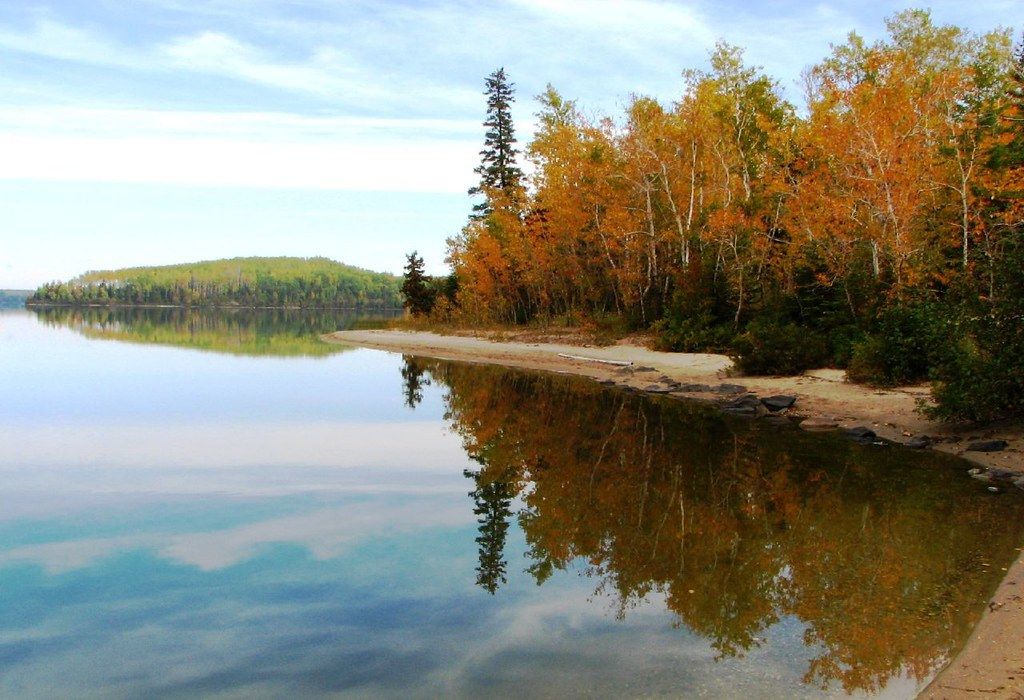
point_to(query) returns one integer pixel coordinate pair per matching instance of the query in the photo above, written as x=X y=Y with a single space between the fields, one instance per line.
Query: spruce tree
x=491 y=505
x=419 y=298
x=497 y=169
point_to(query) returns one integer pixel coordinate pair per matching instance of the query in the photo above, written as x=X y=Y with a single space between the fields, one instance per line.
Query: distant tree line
x=290 y=282
x=13 y=298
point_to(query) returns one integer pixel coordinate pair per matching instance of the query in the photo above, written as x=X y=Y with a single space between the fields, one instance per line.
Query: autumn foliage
x=731 y=205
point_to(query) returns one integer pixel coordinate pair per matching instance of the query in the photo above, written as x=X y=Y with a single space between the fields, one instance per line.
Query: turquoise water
x=211 y=506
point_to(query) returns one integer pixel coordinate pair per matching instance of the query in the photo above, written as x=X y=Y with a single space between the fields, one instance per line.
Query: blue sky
x=159 y=131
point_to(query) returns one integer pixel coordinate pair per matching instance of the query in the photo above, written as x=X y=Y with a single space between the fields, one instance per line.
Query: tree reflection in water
x=885 y=556
x=235 y=331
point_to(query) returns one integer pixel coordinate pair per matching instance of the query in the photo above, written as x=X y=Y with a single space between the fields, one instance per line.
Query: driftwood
x=620 y=363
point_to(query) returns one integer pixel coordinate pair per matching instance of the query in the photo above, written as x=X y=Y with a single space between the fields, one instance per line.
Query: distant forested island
x=252 y=282
x=13 y=298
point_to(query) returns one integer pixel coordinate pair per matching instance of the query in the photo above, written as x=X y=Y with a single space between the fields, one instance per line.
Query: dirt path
x=991 y=665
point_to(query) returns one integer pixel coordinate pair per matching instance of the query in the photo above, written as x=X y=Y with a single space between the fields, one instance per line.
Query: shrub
x=697 y=333
x=980 y=375
x=777 y=348
x=841 y=342
x=900 y=350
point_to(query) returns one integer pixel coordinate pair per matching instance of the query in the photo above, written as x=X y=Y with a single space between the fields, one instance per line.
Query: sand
x=992 y=663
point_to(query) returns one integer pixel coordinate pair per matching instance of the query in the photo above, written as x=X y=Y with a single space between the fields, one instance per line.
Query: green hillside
x=281 y=281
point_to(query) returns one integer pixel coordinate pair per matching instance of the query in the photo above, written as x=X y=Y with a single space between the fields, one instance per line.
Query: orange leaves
x=882 y=186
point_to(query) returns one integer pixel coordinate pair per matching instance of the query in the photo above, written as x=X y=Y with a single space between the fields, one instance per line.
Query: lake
x=217 y=503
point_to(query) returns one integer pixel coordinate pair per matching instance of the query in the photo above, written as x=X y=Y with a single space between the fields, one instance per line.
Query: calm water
x=218 y=504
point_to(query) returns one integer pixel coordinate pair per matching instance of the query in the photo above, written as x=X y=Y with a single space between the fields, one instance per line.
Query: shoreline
x=240 y=307
x=991 y=663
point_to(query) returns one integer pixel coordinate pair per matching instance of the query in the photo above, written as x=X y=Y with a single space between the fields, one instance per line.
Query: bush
x=841 y=342
x=980 y=375
x=697 y=333
x=777 y=348
x=901 y=348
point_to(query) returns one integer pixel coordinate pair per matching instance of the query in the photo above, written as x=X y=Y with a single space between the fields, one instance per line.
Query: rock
x=779 y=402
x=993 y=489
x=987 y=446
x=819 y=423
x=607 y=382
x=657 y=389
x=644 y=369
x=740 y=410
x=919 y=442
x=748 y=401
x=731 y=389
x=1018 y=482
x=694 y=387
x=860 y=433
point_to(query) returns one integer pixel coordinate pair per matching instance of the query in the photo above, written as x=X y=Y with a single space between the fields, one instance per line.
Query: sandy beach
x=992 y=663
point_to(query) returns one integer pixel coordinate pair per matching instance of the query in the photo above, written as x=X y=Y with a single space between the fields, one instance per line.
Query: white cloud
x=393 y=165
x=239 y=125
x=60 y=41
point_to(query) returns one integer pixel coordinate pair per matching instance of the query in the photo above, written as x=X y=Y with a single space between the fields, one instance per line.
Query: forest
x=248 y=282
x=876 y=227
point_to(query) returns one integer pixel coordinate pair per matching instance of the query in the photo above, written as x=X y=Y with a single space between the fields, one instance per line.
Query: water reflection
x=884 y=556
x=253 y=332
x=184 y=523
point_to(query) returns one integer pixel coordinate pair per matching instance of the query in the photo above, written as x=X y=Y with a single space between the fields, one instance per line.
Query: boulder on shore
x=860 y=433
x=779 y=402
x=919 y=442
x=987 y=446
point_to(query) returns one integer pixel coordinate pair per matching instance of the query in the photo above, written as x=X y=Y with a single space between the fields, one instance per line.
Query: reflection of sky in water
x=178 y=523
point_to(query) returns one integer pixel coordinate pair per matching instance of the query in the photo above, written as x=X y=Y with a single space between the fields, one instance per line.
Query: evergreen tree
x=419 y=298
x=497 y=169
x=413 y=380
x=492 y=505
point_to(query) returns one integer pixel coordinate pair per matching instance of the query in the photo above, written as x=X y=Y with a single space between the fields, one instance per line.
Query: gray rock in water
x=694 y=387
x=860 y=433
x=740 y=410
x=919 y=442
x=1002 y=474
x=987 y=446
x=731 y=389
x=779 y=402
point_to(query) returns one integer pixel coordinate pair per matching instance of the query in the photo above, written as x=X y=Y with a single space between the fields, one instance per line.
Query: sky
x=139 y=132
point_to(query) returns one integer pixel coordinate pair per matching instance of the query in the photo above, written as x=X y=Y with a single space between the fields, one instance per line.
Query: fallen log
x=620 y=363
